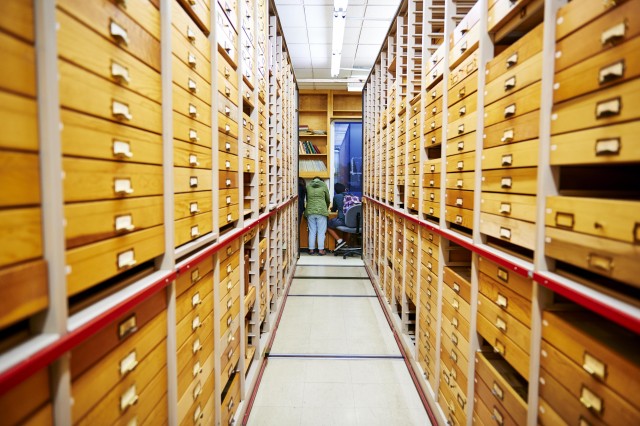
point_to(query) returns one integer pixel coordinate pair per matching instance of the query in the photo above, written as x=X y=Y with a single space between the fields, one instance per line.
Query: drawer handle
x=454 y=339
x=196 y=300
x=192 y=2
x=462 y=92
x=608 y=108
x=594 y=366
x=602 y=263
x=501 y=324
x=229 y=286
x=432 y=182
x=197 y=346
x=193 y=160
x=430 y=251
x=198 y=414
x=507 y=160
x=497 y=391
x=192 y=85
x=458 y=219
x=231 y=338
x=611 y=72
x=197 y=369
x=510 y=83
x=128 y=364
x=512 y=60
x=227 y=127
x=120 y=73
x=121 y=111
x=193 y=135
x=119 y=33
x=609 y=146
x=227 y=164
x=229 y=269
x=228 y=182
x=227 y=91
x=432 y=196
x=460 y=165
x=227 y=146
x=463 y=48
x=228 y=200
x=505 y=233
x=433 y=168
x=462 y=111
x=232 y=370
x=126 y=259
x=230 y=405
x=505 y=183
x=459 y=183
x=434 y=93
x=230 y=354
x=124 y=223
x=456 y=304
x=196 y=324
x=227 y=111
x=191 y=60
x=502 y=301
x=229 y=304
x=454 y=356
x=433 y=139
x=454 y=323
x=591 y=401
x=122 y=149
x=415 y=133
x=197 y=391
x=446 y=379
x=193 y=208
x=505 y=208
x=497 y=416
x=190 y=34
x=429 y=279
x=461 y=401
x=229 y=321
x=193 y=111
x=499 y=347
x=613 y=34
x=565 y=220
x=193 y=181
x=510 y=111
x=507 y=136
x=129 y=398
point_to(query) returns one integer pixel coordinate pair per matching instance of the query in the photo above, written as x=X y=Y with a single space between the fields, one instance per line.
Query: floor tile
x=275 y=416
x=329 y=259
x=319 y=286
x=328 y=395
x=331 y=271
x=321 y=416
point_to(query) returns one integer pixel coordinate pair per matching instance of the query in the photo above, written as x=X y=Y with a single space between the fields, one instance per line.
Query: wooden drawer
x=512 y=106
x=228 y=300
x=463 y=89
x=457 y=321
x=18 y=115
x=511 y=15
x=521 y=207
x=191 y=106
x=513 y=329
x=185 y=26
x=230 y=10
x=517 y=78
x=228 y=197
x=431 y=180
x=509 y=297
x=435 y=73
x=191 y=180
x=229 y=92
x=461 y=72
x=191 y=203
x=193 y=227
x=602 y=353
x=227 y=74
x=512 y=230
x=613 y=105
x=95 y=221
x=454 y=356
x=94 y=263
x=458 y=278
x=431 y=208
x=133 y=360
x=24 y=289
x=517 y=53
x=487 y=408
x=83 y=91
x=229 y=260
x=459 y=216
x=191 y=155
x=248 y=165
x=20 y=403
x=523 y=154
x=18 y=60
x=518 y=181
x=189 y=55
x=433 y=123
x=196 y=320
x=431 y=195
x=429 y=250
x=597 y=36
x=191 y=382
x=518 y=129
x=199 y=11
x=89 y=352
x=466 y=45
x=231 y=401
x=228 y=215
x=17 y=18
x=507 y=388
x=229 y=317
x=464 y=181
x=503 y=345
x=116 y=24
x=227 y=40
x=457 y=373
x=600 y=145
x=461 y=162
x=227 y=144
x=547 y=415
x=21 y=235
x=189 y=130
x=458 y=198
x=229 y=358
x=227 y=162
x=202 y=406
x=195 y=274
x=465 y=108
x=227 y=107
x=457 y=301
x=227 y=126
x=83 y=46
x=600 y=217
x=198 y=345
x=609 y=258
x=448 y=401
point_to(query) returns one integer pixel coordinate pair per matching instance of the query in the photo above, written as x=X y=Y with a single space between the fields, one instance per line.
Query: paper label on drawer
x=122 y=149
x=611 y=72
x=507 y=160
x=609 y=146
x=594 y=366
x=195 y=300
x=505 y=233
x=193 y=160
x=505 y=208
x=613 y=34
x=590 y=400
x=512 y=60
x=128 y=364
x=608 y=108
x=459 y=183
x=507 y=136
x=506 y=182
x=510 y=110
x=193 y=87
x=229 y=217
x=501 y=324
x=128 y=398
x=193 y=207
x=122 y=186
x=195 y=324
x=133 y=422
x=193 y=135
x=120 y=73
x=193 y=181
x=498 y=416
x=501 y=301
x=121 y=110
x=497 y=391
x=197 y=346
x=194 y=231
x=124 y=223
x=198 y=414
x=126 y=259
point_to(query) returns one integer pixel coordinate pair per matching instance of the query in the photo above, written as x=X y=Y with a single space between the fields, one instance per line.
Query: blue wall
x=350 y=159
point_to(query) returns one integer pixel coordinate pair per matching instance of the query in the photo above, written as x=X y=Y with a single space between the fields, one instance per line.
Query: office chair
x=352 y=225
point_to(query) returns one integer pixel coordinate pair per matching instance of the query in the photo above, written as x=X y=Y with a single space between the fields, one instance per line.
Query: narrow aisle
x=334 y=360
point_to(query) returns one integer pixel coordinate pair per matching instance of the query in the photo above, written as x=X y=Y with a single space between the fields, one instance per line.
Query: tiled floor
x=358 y=376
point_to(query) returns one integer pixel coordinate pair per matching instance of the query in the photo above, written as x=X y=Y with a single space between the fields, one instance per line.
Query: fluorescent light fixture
x=335 y=64
x=340 y=5
x=339 y=22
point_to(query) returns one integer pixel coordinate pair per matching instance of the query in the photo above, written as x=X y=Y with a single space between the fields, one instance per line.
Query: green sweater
x=317 y=198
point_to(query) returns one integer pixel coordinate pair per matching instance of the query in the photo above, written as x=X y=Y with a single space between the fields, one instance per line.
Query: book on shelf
x=312 y=166
x=306 y=147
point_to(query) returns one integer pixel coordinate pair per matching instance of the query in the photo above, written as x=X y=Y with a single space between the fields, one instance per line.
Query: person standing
x=317 y=212
x=337 y=206
x=302 y=197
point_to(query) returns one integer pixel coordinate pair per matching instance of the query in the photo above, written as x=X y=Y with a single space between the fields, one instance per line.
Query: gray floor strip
x=332 y=356
x=332 y=295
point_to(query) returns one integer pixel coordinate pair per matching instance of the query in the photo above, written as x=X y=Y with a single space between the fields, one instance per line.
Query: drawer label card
x=122 y=186
x=498 y=416
x=611 y=72
x=505 y=208
x=506 y=182
x=609 y=146
x=122 y=149
x=193 y=207
x=121 y=111
x=228 y=200
x=499 y=347
x=191 y=60
x=193 y=111
x=510 y=111
x=124 y=223
x=195 y=324
x=510 y=83
x=195 y=275
x=193 y=135
x=565 y=220
x=193 y=160
x=512 y=60
x=127 y=327
x=505 y=233
x=497 y=391
x=120 y=73
x=501 y=301
x=128 y=363
x=197 y=346
x=599 y=262
x=193 y=181
x=129 y=398
x=501 y=324
x=196 y=300
x=613 y=34
x=193 y=87
x=119 y=33
x=594 y=366
x=198 y=414
x=197 y=391
x=608 y=108
x=227 y=164
x=590 y=400
x=507 y=160
x=126 y=259
x=229 y=217
x=507 y=136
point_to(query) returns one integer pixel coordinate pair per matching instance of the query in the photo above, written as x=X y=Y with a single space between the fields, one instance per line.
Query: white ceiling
x=307 y=26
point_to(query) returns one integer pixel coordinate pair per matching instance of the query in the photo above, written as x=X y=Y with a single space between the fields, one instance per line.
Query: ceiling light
x=339 y=22
x=340 y=5
x=335 y=64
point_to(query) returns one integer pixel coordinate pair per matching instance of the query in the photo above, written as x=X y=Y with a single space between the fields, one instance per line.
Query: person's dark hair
x=339 y=188
x=317 y=177
x=301 y=182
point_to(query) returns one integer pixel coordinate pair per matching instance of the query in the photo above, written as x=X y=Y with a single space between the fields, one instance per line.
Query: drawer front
x=431 y=111
x=24 y=399
x=191 y=155
x=227 y=40
x=83 y=46
x=198 y=345
x=191 y=228
x=435 y=73
x=228 y=318
x=518 y=181
x=227 y=107
x=510 y=14
x=608 y=106
x=228 y=197
x=202 y=405
x=457 y=198
x=18 y=115
x=433 y=123
x=455 y=357
x=458 y=323
x=114 y=24
x=462 y=71
x=488 y=407
x=194 y=321
x=458 y=216
x=17 y=18
x=517 y=53
x=227 y=72
x=508 y=325
x=431 y=195
x=512 y=230
x=524 y=154
x=24 y=288
x=227 y=162
x=191 y=106
x=227 y=215
x=600 y=217
x=464 y=181
x=227 y=90
x=503 y=345
x=192 y=383
x=21 y=235
x=512 y=106
x=518 y=129
x=462 y=144
x=227 y=144
x=195 y=274
x=456 y=301
x=109 y=140
x=229 y=358
x=519 y=284
x=83 y=91
x=521 y=76
x=461 y=162
x=191 y=180
x=508 y=298
x=189 y=130
x=431 y=208
x=231 y=401
x=600 y=145
x=95 y=221
x=463 y=108
x=609 y=258
x=227 y=301
x=248 y=165
x=467 y=44
x=199 y=10
x=140 y=352
x=189 y=55
x=230 y=10
x=192 y=203
x=458 y=278
x=188 y=30
x=99 y=261
x=464 y=89
x=521 y=207
x=618 y=25
x=227 y=126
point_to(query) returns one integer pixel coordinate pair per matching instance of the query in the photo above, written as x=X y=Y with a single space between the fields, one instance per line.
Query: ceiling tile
x=319 y=35
x=304 y=72
x=299 y=50
x=322 y=73
x=321 y=61
x=291 y=16
x=319 y=2
x=371 y=36
x=286 y=2
x=320 y=50
x=381 y=12
x=318 y=16
x=355 y=11
x=376 y=23
x=302 y=62
x=351 y=35
x=295 y=35
x=349 y=50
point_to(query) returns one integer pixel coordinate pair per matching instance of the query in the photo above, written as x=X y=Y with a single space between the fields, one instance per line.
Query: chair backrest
x=353 y=218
